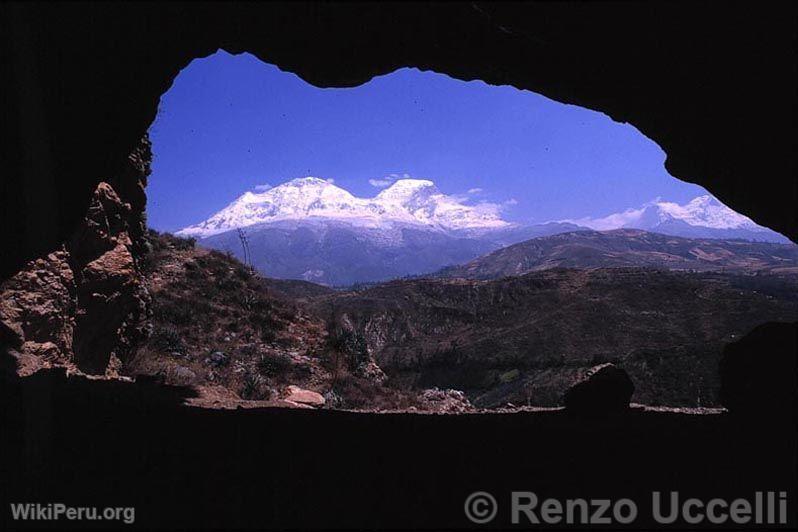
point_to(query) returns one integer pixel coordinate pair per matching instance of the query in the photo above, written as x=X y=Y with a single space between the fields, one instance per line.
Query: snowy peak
x=703 y=216
x=703 y=211
x=404 y=190
x=706 y=211
x=298 y=198
x=422 y=200
x=406 y=201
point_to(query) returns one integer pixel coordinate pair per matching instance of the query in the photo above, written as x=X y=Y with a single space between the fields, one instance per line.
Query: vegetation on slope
x=220 y=327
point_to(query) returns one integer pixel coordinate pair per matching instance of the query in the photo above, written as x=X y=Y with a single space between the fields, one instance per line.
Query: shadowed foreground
x=122 y=444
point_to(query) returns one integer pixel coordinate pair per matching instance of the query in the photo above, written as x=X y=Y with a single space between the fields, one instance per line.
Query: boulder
x=218 y=359
x=445 y=401
x=604 y=388
x=295 y=394
x=183 y=375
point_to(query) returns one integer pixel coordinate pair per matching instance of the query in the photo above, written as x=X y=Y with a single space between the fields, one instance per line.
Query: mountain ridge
x=628 y=248
x=419 y=202
x=406 y=201
x=313 y=230
x=703 y=217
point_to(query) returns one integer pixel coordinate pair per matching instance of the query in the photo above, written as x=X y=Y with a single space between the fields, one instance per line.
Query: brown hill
x=236 y=336
x=523 y=339
x=240 y=339
x=629 y=248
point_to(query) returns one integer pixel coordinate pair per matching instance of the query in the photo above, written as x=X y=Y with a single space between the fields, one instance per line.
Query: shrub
x=333 y=400
x=183 y=244
x=248 y=351
x=229 y=284
x=242 y=272
x=253 y=387
x=353 y=345
x=167 y=339
x=248 y=300
x=267 y=336
x=272 y=365
x=175 y=310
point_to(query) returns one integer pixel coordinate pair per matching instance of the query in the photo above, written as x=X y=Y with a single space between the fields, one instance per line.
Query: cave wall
x=714 y=86
x=84 y=306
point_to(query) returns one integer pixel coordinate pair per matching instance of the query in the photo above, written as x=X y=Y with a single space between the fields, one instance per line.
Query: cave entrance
x=423 y=242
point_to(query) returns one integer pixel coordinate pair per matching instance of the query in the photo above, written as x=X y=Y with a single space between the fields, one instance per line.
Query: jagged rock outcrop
x=356 y=348
x=604 y=388
x=37 y=309
x=85 y=305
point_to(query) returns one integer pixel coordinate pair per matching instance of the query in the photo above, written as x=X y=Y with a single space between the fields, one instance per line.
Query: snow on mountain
x=406 y=201
x=703 y=216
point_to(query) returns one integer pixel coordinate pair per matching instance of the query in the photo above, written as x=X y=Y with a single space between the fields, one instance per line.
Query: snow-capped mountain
x=415 y=202
x=311 y=229
x=703 y=217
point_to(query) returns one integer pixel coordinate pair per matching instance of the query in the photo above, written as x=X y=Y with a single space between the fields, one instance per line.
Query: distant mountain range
x=313 y=230
x=629 y=248
x=407 y=202
x=702 y=217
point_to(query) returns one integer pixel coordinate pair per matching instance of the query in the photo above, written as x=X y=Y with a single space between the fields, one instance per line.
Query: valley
x=516 y=327
x=525 y=339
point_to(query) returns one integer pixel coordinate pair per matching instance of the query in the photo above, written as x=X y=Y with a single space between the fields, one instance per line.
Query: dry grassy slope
x=205 y=303
x=523 y=339
x=629 y=248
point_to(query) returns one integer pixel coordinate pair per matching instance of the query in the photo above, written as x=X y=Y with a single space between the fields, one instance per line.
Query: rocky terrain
x=517 y=327
x=211 y=324
x=517 y=340
x=524 y=339
x=239 y=339
x=84 y=306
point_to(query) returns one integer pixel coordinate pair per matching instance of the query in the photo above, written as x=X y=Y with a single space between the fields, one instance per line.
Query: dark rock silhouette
x=109 y=442
x=605 y=388
x=758 y=372
x=54 y=161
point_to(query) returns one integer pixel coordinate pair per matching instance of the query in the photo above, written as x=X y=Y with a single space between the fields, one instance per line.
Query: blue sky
x=232 y=123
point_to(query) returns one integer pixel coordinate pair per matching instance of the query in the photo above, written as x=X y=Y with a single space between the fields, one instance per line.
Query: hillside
x=629 y=248
x=235 y=336
x=522 y=339
x=336 y=253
